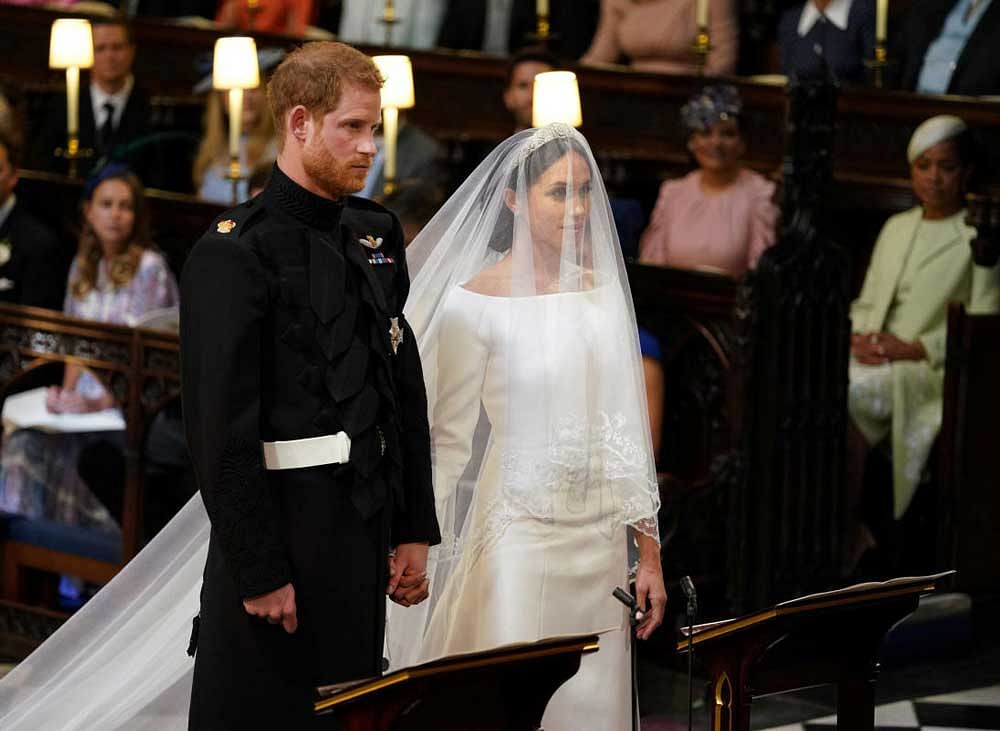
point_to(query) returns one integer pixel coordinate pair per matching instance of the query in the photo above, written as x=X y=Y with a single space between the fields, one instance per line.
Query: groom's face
x=340 y=145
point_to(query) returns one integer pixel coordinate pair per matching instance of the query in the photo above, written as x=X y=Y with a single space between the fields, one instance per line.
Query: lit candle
x=235 y=122
x=701 y=14
x=390 y=129
x=881 y=19
x=542 y=7
x=72 y=100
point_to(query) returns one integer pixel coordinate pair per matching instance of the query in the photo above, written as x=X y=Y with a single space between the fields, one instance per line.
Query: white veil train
x=548 y=456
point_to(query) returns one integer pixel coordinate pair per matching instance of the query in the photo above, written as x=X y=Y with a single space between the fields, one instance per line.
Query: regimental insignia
x=226 y=226
x=395 y=334
x=371 y=242
x=377 y=257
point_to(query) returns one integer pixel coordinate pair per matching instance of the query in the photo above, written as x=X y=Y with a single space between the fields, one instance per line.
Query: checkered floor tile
x=972 y=710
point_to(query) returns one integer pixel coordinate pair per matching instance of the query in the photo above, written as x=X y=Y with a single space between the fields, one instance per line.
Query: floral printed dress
x=38 y=470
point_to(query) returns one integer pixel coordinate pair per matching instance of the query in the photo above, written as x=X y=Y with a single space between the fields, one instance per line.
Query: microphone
x=633 y=609
x=629 y=601
x=687 y=586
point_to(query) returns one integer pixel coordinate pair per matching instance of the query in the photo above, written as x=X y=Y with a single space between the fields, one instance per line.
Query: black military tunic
x=286 y=311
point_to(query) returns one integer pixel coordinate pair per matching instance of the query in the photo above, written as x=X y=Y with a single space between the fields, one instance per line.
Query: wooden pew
x=140 y=367
x=968 y=503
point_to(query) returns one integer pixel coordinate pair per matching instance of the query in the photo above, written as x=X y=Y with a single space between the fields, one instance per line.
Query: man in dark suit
x=32 y=266
x=949 y=46
x=505 y=26
x=114 y=113
x=305 y=413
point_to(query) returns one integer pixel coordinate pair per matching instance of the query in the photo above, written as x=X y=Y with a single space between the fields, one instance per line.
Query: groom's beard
x=336 y=177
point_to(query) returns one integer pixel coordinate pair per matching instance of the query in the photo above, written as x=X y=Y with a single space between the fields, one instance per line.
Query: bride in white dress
x=542 y=463
x=533 y=372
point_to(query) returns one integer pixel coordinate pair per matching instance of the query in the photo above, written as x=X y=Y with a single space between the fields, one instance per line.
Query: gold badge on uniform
x=371 y=242
x=226 y=226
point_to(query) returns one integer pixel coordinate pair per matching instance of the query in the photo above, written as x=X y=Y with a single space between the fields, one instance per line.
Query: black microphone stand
x=687 y=586
x=629 y=601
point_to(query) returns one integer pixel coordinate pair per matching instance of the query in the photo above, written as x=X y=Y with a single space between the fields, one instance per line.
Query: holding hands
x=408 y=583
x=882 y=347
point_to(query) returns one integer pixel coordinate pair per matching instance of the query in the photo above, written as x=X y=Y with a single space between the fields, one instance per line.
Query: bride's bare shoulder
x=493 y=281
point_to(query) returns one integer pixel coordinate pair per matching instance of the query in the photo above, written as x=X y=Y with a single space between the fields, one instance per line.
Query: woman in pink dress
x=720 y=217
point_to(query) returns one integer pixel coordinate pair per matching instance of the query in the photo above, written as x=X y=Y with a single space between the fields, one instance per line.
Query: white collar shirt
x=6 y=208
x=836 y=12
x=98 y=98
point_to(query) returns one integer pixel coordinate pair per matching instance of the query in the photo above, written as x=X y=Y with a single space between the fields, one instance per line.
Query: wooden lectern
x=829 y=638
x=499 y=690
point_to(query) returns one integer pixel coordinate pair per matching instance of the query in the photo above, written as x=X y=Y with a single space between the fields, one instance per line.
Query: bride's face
x=559 y=202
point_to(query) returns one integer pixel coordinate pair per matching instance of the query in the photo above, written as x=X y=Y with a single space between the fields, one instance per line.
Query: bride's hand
x=650 y=591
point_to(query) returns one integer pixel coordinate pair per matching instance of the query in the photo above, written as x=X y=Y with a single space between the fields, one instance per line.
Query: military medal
x=395 y=334
x=377 y=257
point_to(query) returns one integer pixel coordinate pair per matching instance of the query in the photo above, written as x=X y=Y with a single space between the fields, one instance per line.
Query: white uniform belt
x=311 y=452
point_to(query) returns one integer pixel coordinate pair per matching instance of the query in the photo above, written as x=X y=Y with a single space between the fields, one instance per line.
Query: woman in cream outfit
x=922 y=261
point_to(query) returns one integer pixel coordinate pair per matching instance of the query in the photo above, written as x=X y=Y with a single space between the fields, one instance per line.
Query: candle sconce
x=878 y=64
x=234 y=68
x=702 y=46
x=388 y=19
x=983 y=213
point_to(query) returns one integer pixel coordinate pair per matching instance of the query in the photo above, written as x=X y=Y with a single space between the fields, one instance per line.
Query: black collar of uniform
x=309 y=208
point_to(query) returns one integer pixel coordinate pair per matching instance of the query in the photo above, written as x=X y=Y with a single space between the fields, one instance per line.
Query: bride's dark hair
x=536 y=163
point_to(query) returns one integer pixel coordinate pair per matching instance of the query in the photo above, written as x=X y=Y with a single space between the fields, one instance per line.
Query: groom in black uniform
x=305 y=412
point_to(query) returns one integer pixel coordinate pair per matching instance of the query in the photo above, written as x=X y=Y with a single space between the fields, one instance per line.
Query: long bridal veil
x=120 y=662
x=529 y=346
x=570 y=445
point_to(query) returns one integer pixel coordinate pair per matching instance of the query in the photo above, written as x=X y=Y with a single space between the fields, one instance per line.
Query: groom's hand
x=277 y=607
x=408 y=583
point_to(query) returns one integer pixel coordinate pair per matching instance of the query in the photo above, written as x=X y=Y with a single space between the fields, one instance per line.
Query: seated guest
x=418 y=157
x=504 y=26
x=418 y=23
x=258 y=145
x=32 y=265
x=114 y=112
x=117 y=277
x=948 y=47
x=414 y=202
x=657 y=35
x=518 y=93
x=828 y=36
x=287 y=17
x=653 y=377
x=921 y=262
x=722 y=216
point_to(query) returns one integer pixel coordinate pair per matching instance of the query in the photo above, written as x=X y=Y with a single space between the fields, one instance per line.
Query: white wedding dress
x=529 y=577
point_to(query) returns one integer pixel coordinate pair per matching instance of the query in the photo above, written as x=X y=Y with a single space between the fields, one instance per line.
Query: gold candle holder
x=73 y=152
x=388 y=19
x=702 y=46
x=879 y=63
